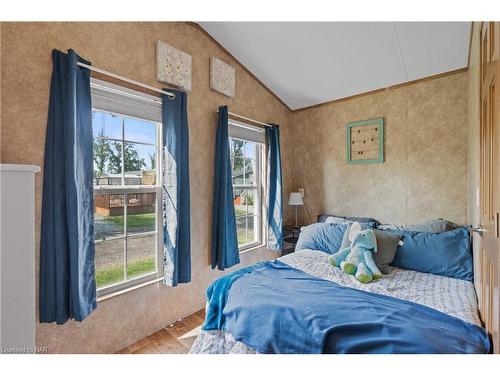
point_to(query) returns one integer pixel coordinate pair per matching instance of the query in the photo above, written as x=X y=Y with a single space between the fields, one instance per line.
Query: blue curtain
x=67 y=275
x=275 y=190
x=224 y=238
x=175 y=191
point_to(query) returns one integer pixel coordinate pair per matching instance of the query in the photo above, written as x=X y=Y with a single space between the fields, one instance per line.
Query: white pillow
x=336 y=220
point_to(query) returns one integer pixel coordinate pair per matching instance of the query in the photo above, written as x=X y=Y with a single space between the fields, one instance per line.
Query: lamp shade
x=295 y=199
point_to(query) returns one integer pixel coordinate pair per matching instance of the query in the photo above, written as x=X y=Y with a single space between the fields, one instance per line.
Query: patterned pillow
x=336 y=220
x=324 y=217
x=339 y=220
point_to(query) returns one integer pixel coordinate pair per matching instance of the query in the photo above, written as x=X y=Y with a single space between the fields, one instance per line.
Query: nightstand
x=290 y=237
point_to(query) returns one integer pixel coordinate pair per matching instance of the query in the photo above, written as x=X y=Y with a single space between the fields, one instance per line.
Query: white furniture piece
x=17 y=258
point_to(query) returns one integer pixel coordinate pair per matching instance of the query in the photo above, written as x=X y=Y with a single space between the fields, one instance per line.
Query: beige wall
x=128 y=49
x=424 y=173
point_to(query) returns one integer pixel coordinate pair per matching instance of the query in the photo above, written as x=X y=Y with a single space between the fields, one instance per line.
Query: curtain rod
x=248 y=119
x=171 y=95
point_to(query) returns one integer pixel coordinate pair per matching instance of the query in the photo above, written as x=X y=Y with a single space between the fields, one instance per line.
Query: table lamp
x=295 y=200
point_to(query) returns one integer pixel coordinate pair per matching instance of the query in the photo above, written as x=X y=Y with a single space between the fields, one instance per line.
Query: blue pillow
x=446 y=254
x=325 y=237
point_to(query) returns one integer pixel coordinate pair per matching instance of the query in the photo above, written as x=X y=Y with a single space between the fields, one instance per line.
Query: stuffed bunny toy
x=357 y=259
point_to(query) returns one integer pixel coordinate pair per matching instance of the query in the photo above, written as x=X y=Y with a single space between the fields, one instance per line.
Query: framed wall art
x=365 y=141
x=173 y=66
x=222 y=77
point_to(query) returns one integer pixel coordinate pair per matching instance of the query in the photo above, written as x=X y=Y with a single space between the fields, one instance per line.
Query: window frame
x=258 y=187
x=134 y=189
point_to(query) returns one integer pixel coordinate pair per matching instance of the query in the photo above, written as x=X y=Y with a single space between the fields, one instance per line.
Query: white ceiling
x=307 y=63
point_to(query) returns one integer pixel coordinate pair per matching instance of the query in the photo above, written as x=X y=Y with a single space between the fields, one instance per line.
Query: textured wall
x=424 y=173
x=128 y=49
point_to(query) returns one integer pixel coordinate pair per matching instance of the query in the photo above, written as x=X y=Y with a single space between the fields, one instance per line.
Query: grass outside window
x=114 y=274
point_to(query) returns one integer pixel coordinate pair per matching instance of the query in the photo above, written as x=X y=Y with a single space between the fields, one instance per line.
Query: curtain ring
x=172 y=97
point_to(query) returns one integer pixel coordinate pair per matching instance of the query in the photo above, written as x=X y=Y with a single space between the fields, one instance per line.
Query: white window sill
x=129 y=289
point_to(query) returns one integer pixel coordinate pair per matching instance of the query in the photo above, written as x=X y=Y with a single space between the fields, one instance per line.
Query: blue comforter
x=274 y=308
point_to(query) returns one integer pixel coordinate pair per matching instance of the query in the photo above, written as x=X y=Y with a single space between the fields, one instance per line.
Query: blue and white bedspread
x=300 y=304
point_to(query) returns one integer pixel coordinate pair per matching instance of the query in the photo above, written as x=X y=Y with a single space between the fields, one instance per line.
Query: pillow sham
x=335 y=220
x=433 y=226
x=387 y=244
x=445 y=254
x=338 y=220
x=363 y=220
x=322 y=217
x=332 y=218
x=325 y=237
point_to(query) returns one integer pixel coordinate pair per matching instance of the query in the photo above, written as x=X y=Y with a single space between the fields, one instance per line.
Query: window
x=246 y=145
x=127 y=221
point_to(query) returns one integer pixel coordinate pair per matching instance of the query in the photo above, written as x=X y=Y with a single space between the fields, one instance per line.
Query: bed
x=301 y=304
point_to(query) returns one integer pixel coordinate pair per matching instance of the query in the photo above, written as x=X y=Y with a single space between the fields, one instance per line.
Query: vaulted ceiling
x=308 y=63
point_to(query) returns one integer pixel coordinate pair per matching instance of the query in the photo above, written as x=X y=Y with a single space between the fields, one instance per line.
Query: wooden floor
x=174 y=339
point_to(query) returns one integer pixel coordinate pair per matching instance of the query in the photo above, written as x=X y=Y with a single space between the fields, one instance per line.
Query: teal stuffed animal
x=357 y=259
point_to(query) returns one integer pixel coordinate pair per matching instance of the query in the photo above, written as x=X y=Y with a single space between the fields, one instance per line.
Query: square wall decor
x=365 y=141
x=173 y=66
x=222 y=77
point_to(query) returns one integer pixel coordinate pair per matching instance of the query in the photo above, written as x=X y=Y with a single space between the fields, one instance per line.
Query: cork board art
x=365 y=141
